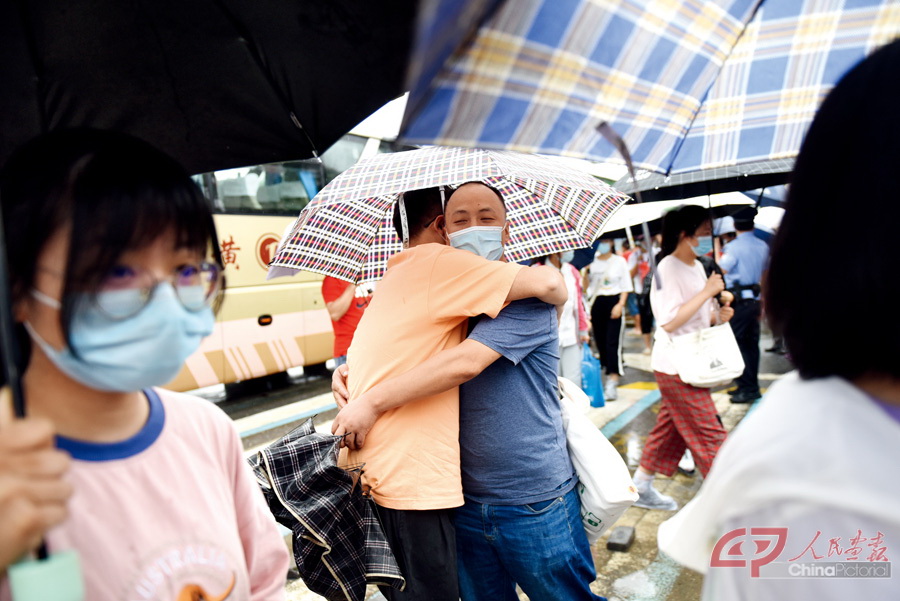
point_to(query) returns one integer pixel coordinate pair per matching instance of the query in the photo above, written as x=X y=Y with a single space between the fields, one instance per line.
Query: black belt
x=740 y=288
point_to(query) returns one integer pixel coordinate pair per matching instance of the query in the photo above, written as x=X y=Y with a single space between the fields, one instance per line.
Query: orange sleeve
x=462 y=284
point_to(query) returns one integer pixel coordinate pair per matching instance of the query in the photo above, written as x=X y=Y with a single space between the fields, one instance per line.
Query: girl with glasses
x=115 y=275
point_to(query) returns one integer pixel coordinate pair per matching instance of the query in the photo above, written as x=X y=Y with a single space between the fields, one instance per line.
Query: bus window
x=267 y=326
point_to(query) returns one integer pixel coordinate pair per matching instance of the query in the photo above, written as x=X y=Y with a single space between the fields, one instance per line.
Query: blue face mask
x=484 y=241
x=705 y=246
x=567 y=256
x=603 y=248
x=126 y=355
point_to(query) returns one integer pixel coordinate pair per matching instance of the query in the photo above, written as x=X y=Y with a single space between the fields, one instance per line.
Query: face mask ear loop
x=46 y=300
x=404 y=224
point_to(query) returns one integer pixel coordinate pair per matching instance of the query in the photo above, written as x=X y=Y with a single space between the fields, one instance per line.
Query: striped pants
x=687 y=419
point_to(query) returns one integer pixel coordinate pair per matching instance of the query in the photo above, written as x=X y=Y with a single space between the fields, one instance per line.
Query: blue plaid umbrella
x=689 y=85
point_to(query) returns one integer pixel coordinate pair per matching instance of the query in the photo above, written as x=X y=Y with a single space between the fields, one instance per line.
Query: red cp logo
x=769 y=542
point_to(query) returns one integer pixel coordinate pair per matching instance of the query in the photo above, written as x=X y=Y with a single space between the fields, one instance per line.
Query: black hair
x=685 y=219
x=422 y=207
x=485 y=184
x=112 y=191
x=743 y=226
x=845 y=180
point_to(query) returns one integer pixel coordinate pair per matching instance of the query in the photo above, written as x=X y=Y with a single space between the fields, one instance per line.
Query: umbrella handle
x=606 y=130
x=8 y=347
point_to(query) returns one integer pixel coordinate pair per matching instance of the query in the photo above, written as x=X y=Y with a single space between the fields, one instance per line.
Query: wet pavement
x=641 y=573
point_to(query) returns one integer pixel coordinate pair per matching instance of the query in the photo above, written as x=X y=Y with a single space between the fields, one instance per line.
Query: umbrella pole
x=606 y=130
x=8 y=345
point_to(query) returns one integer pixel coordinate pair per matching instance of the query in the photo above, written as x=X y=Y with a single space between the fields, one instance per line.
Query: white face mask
x=484 y=241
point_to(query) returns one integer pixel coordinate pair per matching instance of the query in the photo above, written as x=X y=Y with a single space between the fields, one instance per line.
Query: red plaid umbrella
x=347 y=231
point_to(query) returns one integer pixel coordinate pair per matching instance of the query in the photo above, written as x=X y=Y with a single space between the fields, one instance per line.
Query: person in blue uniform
x=744 y=262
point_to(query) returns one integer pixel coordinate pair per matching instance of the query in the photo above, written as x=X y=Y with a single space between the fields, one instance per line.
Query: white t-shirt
x=634 y=260
x=609 y=277
x=568 y=321
x=679 y=283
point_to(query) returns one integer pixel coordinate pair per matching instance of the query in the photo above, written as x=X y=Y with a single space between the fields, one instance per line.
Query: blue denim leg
x=482 y=576
x=542 y=547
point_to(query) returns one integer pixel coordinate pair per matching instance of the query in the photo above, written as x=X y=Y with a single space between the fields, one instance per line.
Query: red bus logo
x=266 y=247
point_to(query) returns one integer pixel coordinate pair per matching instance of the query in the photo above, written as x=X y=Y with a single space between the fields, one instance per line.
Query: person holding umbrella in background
x=609 y=283
x=744 y=262
x=682 y=296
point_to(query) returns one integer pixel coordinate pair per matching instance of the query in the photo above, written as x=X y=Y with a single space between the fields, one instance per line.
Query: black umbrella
x=214 y=83
x=655 y=186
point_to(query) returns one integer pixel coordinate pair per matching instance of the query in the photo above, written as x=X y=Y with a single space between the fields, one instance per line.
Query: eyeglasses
x=127 y=290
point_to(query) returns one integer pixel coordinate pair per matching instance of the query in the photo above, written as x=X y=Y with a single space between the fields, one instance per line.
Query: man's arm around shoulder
x=540 y=281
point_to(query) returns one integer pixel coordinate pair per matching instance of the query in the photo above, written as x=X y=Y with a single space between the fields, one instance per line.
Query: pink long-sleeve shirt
x=173 y=513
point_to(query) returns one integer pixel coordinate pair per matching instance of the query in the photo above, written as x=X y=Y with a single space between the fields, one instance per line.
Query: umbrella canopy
x=346 y=231
x=689 y=86
x=773 y=196
x=214 y=83
x=338 y=543
x=634 y=214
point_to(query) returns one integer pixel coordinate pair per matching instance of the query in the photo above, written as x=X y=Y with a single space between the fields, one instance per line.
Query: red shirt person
x=345 y=309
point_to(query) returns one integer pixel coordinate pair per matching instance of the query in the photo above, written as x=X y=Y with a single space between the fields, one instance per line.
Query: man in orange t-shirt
x=345 y=310
x=411 y=454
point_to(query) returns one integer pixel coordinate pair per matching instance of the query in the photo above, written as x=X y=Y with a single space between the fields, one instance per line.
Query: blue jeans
x=338 y=361
x=541 y=547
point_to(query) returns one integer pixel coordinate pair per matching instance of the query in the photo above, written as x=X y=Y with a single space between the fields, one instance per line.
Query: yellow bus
x=267 y=327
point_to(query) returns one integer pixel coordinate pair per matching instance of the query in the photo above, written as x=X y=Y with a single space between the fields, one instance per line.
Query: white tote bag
x=605 y=486
x=708 y=357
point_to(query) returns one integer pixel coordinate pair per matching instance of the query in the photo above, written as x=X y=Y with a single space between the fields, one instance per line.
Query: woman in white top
x=807 y=485
x=682 y=298
x=610 y=283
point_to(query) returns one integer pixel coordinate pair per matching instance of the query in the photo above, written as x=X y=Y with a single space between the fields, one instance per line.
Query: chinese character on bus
x=229 y=252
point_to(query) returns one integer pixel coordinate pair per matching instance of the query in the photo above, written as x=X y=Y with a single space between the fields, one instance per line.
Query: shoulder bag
x=605 y=487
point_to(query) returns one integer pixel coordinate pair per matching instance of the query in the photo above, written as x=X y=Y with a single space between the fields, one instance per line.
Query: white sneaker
x=611 y=390
x=650 y=498
x=686 y=465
